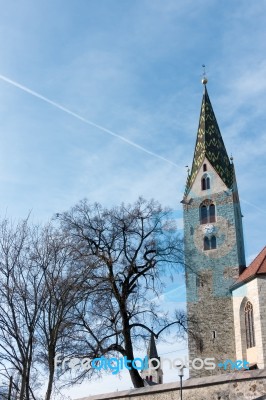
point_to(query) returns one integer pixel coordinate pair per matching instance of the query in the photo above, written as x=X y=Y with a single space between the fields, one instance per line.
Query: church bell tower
x=214 y=246
x=154 y=375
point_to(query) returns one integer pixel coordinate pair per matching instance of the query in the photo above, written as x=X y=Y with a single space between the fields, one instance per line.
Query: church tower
x=154 y=375
x=214 y=246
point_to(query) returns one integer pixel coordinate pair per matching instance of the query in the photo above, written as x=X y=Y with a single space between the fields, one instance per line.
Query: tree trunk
x=136 y=378
x=51 y=375
x=134 y=373
x=10 y=387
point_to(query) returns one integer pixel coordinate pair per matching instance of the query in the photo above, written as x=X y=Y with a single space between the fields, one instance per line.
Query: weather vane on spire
x=204 y=78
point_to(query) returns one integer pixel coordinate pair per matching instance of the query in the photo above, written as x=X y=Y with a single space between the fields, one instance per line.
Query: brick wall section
x=249 y=385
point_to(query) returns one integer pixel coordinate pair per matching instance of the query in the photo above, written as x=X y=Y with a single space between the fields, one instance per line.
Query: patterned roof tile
x=210 y=144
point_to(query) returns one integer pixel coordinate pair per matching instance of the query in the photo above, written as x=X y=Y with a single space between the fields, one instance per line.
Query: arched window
x=213 y=242
x=206 y=243
x=249 y=325
x=212 y=212
x=207 y=213
x=204 y=167
x=205 y=182
x=209 y=243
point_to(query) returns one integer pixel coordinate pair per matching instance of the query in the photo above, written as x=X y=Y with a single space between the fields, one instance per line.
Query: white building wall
x=255 y=292
x=262 y=317
x=216 y=183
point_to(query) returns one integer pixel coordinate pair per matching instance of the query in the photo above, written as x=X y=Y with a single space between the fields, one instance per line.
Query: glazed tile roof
x=257 y=267
x=210 y=144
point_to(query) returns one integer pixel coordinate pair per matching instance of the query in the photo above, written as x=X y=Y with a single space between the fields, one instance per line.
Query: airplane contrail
x=86 y=121
x=66 y=110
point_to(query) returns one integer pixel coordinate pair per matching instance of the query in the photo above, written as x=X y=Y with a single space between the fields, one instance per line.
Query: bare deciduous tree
x=40 y=287
x=21 y=297
x=132 y=250
x=66 y=283
x=88 y=288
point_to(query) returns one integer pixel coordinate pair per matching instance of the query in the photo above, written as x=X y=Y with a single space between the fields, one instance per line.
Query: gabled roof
x=257 y=267
x=209 y=144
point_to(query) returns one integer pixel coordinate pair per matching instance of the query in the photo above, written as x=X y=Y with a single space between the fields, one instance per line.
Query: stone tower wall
x=210 y=274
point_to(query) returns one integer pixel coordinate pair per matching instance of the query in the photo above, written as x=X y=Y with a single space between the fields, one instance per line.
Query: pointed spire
x=152 y=350
x=209 y=144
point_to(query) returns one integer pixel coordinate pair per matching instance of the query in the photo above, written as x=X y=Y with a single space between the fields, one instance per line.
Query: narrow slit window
x=204 y=167
x=203 y=184
x=249 y=325
x=197 y=281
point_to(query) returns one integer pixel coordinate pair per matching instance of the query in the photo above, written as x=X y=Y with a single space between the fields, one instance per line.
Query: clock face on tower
x=208 y=229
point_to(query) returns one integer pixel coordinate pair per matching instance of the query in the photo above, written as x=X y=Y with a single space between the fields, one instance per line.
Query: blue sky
x=133 y=67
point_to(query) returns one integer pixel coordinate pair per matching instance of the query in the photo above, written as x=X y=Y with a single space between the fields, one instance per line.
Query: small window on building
x=213 y=335
x=151 y=378
x=203 y=184
x=213 y=242
x=147 y=378
x=206 y=243
x=204 y=167
x=197 y=281
x=203 y=214
x=207 y=213
x=212 y=213
x=249 y=325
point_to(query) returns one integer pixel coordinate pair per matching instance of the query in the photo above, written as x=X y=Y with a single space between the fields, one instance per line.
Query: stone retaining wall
x=247 y=385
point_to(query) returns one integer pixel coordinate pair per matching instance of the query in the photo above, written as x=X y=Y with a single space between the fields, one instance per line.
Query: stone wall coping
x=187 y=384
